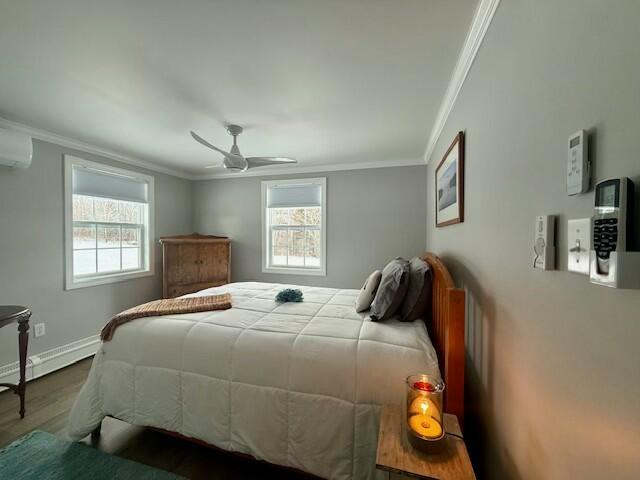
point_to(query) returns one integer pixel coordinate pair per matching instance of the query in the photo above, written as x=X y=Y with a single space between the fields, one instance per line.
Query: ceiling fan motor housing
x=237 y=163
x=233 y=159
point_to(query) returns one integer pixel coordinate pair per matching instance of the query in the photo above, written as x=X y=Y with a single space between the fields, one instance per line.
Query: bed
x=294 y=384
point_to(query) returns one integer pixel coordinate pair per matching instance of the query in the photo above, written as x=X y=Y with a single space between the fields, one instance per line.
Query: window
x=108 y=224
x=294 y=226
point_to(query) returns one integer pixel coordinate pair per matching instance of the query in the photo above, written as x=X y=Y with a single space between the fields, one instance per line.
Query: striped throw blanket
x=167 y=306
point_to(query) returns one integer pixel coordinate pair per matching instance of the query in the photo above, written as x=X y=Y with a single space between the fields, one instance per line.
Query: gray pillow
x=418 y=299
x=368 y=291
x=392 y=289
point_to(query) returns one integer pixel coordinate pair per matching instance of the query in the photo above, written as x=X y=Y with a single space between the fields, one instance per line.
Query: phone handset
x=612 y=222
x=613 y=260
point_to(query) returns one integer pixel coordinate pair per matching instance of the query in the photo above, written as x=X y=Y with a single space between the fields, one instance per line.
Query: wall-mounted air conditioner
x=16 y=149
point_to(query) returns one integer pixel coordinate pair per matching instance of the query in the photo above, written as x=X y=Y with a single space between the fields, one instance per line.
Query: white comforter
x=296 y=384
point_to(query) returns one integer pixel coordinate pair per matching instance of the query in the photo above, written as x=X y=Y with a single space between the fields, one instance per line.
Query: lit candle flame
x=424 y=406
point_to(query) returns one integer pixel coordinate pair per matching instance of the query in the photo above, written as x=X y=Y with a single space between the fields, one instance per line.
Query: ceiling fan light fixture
x=234 y=160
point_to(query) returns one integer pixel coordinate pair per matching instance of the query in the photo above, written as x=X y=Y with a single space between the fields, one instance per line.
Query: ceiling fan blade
x=264 y=161
x=201 y=140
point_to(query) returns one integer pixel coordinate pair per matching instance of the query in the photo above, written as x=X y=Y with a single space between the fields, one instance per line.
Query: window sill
x=319 y=272
x=72 y=284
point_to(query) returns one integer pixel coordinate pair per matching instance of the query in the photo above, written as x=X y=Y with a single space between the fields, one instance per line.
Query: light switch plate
x=578 y=245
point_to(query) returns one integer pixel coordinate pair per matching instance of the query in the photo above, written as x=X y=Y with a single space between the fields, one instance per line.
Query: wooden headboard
x=446 y=329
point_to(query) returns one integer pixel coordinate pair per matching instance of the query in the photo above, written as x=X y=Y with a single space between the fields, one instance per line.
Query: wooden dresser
x=194 y=262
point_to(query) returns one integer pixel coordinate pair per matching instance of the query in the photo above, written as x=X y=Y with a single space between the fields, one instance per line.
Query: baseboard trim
x=51 y=360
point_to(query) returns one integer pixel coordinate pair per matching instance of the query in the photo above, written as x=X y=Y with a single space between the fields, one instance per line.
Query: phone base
x=622 y=270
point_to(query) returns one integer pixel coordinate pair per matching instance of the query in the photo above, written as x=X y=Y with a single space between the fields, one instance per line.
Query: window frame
x=147 y=250
x=267 y=266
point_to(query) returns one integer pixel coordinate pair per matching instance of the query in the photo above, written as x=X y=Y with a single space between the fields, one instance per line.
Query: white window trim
x=72 y=282
x=266 y=254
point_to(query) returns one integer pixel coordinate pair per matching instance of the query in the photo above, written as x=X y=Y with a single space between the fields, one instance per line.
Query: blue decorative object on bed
x=289 y=295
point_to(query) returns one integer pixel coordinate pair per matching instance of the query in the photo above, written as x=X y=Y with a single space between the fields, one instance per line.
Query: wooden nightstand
x=397 y=456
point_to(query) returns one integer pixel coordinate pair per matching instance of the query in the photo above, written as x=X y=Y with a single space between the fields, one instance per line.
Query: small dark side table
x=16 y=314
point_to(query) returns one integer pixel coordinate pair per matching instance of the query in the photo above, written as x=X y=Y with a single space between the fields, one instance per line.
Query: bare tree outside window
x=107 y=235
x=295 y=236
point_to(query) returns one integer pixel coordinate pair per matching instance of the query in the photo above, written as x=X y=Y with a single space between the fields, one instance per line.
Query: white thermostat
x=578 y=165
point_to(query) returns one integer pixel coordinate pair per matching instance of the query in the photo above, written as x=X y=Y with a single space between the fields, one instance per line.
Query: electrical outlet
x=39 y=330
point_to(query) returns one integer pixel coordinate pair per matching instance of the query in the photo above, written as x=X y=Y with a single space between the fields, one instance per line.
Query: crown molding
x=289 y=170
x=479 y=26
x=63 y=141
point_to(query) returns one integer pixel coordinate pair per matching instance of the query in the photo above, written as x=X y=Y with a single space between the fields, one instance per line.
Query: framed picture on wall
x=450 y=184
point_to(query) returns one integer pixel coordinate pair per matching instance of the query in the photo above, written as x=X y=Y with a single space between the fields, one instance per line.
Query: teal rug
x=40 y=455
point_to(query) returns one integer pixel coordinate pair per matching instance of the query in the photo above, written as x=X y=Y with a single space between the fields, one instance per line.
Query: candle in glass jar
x=416 y=406
x=424 y=418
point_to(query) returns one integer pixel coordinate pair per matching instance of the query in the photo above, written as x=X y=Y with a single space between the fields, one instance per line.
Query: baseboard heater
x=51 y=360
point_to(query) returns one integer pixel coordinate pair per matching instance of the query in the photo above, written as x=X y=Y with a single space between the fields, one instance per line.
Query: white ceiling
x=330 y=82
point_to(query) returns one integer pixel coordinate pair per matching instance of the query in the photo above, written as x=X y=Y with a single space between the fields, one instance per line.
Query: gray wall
x=372 y=216
x=553 y=376
x=32 y=255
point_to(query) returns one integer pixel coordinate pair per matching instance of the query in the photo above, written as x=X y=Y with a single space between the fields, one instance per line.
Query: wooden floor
x=48 y=402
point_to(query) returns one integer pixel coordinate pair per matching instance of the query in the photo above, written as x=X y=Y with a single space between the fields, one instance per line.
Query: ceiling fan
x=234 y=160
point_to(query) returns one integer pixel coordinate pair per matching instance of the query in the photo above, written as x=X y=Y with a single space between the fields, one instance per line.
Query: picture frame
x=449 y=185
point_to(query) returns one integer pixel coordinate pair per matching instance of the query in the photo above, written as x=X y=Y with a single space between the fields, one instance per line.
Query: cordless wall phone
x=613 y=220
